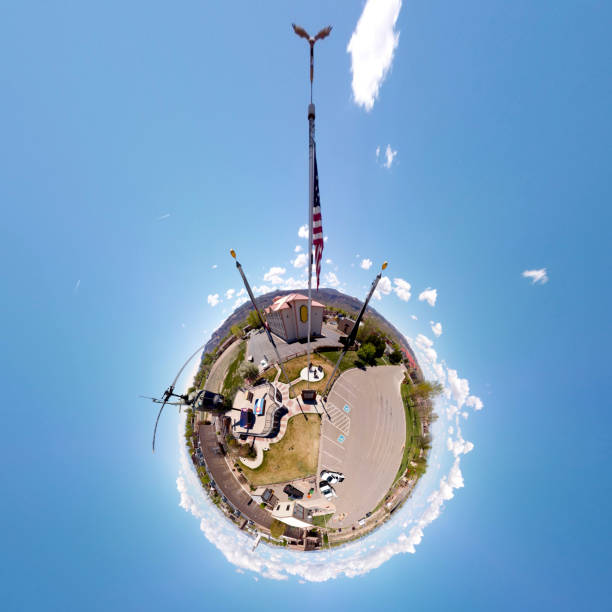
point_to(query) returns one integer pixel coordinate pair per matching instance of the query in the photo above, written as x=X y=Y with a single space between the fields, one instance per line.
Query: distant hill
x=329 y=297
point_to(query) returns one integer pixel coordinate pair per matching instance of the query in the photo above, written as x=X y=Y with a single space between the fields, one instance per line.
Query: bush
x=277 y=528
x=251 y=372
x=396 y=356
x=367 y=354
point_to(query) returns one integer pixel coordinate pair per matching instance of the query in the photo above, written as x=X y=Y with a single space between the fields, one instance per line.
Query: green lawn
x=322 y=519
x=413 y=430
x=294 y=456
x=269 y=374
x=351 y=360
x=233 y=378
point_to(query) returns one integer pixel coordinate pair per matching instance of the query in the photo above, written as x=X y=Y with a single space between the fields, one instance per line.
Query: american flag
x=317 y=223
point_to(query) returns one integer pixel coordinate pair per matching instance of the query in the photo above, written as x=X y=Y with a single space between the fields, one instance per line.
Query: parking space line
x=331 y=455
x=337 y=427
x=333 y=442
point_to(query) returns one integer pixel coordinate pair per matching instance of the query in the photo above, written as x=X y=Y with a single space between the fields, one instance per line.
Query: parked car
x=263 y=364
x=327 y=490
x=332 y=477
x=361 y=522
x=293 y=492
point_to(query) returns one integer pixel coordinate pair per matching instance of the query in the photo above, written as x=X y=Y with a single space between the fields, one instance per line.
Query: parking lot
x=260 y=348
x=364 y=439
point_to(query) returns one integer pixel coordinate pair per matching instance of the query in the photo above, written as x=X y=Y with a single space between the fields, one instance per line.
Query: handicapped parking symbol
x=341 y=438
x=346 y=408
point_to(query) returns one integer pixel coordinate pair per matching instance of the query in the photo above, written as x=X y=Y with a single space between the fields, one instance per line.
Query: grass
x=351 y=360
x=295 y=366
x=233 y=378
x=413 y=431
x=269 y=374
x=294 y=456
x=322 y=519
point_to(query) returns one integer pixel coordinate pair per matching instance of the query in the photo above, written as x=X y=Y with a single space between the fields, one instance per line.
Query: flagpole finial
x=233 y=253
x=385 y=264
x=302 y=33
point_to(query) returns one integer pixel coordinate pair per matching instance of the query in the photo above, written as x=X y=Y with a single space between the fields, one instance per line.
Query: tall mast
x=311 y=162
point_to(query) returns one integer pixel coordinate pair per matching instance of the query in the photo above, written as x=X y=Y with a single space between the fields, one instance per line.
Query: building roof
x=285 y=301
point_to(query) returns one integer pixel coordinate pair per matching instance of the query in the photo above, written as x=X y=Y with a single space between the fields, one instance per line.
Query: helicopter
x=203 y=400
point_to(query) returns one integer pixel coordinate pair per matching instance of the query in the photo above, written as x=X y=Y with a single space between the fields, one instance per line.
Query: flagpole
x=265 y=326
x=311 y=146
x=350 y=340
x=311 y=163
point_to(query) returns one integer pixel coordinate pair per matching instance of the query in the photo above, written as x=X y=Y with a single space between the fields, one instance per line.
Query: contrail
x=163 y=217
x=76 y=287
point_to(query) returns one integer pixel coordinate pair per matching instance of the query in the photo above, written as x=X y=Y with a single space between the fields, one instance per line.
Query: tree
x=396 y=356
x=253 y=320
x=235 y=329
x=277 y=528
x=365 y=330
x=367 y=354
x=251 y=372
x=378 y=342
x=426 y=389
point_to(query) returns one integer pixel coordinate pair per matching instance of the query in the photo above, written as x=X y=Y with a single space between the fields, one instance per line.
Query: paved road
x=215 y=379
x=226 y=482
x=260 y=347
x=373 y=433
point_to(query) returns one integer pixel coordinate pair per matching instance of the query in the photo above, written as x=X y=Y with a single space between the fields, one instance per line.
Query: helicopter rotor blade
x=200 y=348
x=156 y=422
x=171 y=389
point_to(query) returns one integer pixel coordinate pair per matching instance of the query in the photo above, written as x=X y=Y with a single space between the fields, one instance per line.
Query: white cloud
x=331 y=279
x=325 y=238
x=240 y=301
x=76 y=286
x=414 y=317
x=459 y=446
x=241 y=292
x=213 y=299
x=372 y=46
x=402 y=289
x=328 y=261
x=214 y=267
x=295 y=283
x=162 y=217
x=429 y=295
x=303 y=232
x=273 y=275
x=459 y=387
x=262 y=289
x=383 y=288
x=377 y=152
x=424 y=341
x=436 y=328
x=300 y=261
x=366 y=264
x=297 y=249
x=475 y=402
x=389 y=156
x=537 y=276
x=229 y=294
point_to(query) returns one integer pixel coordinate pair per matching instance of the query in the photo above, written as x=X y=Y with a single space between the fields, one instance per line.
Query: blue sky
x=140 y=143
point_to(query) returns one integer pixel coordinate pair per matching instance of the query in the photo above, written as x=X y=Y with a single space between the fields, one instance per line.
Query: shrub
x=277 y=528
x=367 y=354
x=396 y=356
